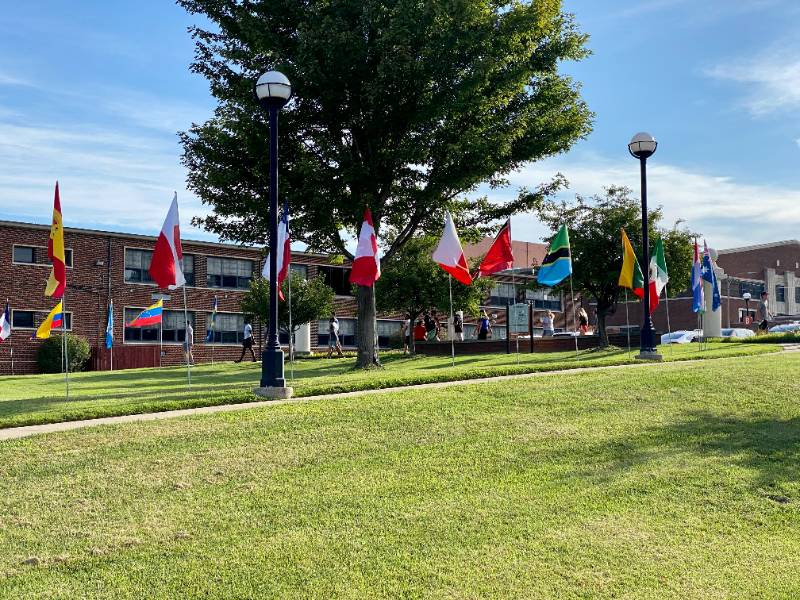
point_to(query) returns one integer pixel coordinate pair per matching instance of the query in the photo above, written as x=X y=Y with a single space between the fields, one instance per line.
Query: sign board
x=157 y=297
x=518 y=313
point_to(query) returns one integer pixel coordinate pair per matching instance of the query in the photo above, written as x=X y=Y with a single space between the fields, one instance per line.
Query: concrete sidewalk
x=12 y=433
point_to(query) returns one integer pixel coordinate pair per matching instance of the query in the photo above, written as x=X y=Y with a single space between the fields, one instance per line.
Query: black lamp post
x=273 y=91
x=643 y=146
x=746 y=296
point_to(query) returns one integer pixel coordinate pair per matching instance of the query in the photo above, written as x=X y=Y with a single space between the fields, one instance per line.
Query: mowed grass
x=666 y=481
x=31 y=400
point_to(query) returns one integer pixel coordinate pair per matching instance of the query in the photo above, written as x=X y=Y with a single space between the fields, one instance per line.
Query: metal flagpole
x=64 y=340
x=574 y=318
x=161 y=338
x=627 y=323
x=452 y=338
x=508 y=325
x=291 y=332
x=187 y=346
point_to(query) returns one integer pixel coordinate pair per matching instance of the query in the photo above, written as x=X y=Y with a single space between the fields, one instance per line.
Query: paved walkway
x=28 y=430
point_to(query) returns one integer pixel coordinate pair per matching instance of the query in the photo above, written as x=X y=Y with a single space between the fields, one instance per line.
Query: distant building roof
x=760 y=246
x=526 y=254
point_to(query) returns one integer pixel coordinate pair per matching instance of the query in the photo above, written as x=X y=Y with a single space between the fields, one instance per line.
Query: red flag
x=500 y=256
x=165 y=267
x=366 y=266
x=449 y=254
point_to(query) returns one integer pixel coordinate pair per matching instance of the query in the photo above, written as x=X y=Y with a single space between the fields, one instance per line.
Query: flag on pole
x=5 y=324
x=500 y=256
x=658 y=274
x=366 y=265
x=149 y=316
x=54 y=320
x=166 y=267
x=630 y=276
x=448 y=252
x=210 y=336
x=284 y=251
x=110 y=326
x=557 y=263
x=698 y=298
x=57 y=282
x=708 y=274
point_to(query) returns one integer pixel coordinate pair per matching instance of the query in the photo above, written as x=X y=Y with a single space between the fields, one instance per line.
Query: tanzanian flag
x=557 y=264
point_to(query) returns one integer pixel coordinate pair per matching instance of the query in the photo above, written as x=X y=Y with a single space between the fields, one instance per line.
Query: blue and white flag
x=5 y=324
x=210 y=336
x=708 y=274
x=110 y=326
x=698 y=299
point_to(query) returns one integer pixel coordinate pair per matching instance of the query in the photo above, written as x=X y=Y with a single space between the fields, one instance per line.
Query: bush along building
x=104 y=266
x=772 y=267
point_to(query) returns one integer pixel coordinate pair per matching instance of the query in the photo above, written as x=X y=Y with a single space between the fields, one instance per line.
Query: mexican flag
x=631 y=274
x=658 y=275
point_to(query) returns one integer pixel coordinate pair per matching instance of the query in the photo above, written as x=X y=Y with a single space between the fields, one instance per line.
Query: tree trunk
x=602 y=333
x=367 y=338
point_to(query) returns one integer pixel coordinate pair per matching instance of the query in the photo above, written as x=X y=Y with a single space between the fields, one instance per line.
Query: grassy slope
x=674 y=481
x=40 y=399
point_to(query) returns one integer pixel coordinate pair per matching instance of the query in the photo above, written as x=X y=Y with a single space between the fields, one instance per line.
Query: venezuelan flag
x=57 y=281
x=149 y=316
x=54 y=320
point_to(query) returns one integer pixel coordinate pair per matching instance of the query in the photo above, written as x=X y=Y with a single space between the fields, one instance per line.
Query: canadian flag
x=367 y=265
x=449 y=254
x=166 y=267
x=284 y=251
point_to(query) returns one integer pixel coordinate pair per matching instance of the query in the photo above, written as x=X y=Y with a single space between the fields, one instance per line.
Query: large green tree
x=594 y=230
x=412 y=283
x=400 y=105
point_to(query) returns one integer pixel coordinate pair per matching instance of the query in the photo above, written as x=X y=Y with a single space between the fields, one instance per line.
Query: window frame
x=239 y=333
x=35 y=311
x=153 y=283
x=139 y=309
x=69 y=256
x=322 y=269
x=255 y=273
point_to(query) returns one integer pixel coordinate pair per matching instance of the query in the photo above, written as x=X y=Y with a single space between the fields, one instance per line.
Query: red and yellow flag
x=55 y=252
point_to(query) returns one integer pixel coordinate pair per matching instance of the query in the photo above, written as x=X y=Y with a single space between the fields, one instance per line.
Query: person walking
x=333 y=336
x=547 y=324
x=583 y=321
x=764 y=315
x=188 y=343
x=405 y=333
x=247 y=341
x=458 y=325
x=483 y=329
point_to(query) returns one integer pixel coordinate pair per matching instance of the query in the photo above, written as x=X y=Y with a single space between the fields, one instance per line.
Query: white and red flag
x=499 y=257
x=449 y=254
x=166 y=266
x=284 y=251
x=366 y=265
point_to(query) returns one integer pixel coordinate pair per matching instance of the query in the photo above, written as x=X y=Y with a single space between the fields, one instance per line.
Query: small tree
x=411 y=283
x=312 y=299
x=594 y=229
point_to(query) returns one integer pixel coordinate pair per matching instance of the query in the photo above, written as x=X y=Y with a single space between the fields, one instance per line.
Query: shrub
x=770 y=338
x=49 y=357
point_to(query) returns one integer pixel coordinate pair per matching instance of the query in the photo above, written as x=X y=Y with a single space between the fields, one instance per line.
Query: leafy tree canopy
x=312 y=299
x=594 y=229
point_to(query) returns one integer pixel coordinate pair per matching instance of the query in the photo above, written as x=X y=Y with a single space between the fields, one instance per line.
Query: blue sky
x=92 y=93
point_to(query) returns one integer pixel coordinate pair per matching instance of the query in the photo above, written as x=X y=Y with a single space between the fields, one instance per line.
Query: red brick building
x=104 y=266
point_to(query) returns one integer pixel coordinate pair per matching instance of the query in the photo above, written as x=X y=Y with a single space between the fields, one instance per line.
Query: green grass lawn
x=668 y=481
x=30 y=400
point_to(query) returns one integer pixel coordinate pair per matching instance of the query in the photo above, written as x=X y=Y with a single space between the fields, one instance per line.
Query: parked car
x=785 y=328
x=737 y=332
x=682 y=337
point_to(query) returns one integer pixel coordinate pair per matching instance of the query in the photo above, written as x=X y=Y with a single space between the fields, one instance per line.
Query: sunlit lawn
x=41 y=399
x=665 y=481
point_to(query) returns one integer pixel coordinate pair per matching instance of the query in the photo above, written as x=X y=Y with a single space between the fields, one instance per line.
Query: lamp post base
x=274 y=393
x=272 y=368
x=649 y=355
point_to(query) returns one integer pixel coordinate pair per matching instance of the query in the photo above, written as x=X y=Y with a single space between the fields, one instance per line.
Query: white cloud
x=726 y=212
x=772 y=79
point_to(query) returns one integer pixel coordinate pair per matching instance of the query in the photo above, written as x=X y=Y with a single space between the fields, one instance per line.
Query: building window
x=188 y=269
x=338 y=278
x=780 y=293
x=37 y=255
x=347 y=332
x=301 y=270
x=797 y=295
x=754 y=289
x=228 y=328
x=137 y=265
x=234 y=273
x=22 y=319
x=388 y=331
x=174 y=327
x=502 y=294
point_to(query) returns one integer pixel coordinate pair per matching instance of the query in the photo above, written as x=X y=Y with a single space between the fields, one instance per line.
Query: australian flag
x=707 y=272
